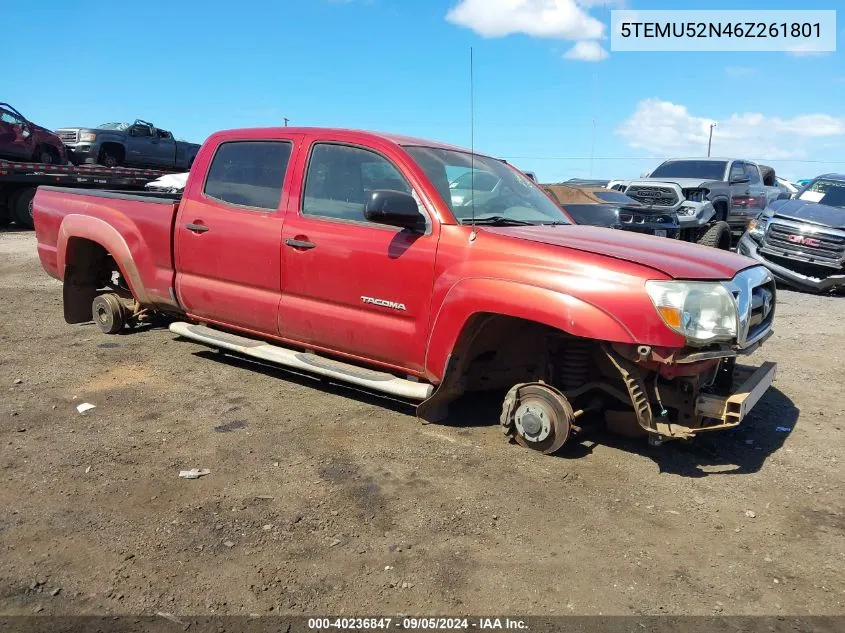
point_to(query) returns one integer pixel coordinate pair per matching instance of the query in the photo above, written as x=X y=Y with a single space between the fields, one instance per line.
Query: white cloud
x=562 y=19
x=806 y=50
x=586 y=51
x=663 y=128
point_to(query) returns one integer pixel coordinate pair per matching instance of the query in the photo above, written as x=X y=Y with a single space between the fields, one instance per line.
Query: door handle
x=196 y=228
x=304 y=245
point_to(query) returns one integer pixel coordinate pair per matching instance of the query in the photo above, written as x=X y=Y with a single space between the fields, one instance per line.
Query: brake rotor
x=537 y=416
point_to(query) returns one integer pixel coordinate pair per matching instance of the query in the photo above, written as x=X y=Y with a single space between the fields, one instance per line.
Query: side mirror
x=26 y=133
x=394 y=208
x=784 y=195
x=741 y=180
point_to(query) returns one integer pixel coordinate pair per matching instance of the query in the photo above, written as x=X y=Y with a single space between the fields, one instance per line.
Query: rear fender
x=471 y=297
x=104 y=234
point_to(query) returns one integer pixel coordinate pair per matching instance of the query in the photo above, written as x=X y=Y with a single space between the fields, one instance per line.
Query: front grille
x=792 y=240
x=68 y=136
x=636 y=218
x=762 y=309
x=754 y=292
x=657 y=196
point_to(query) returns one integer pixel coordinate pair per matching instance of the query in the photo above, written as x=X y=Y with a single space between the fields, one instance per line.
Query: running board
x=304 y=361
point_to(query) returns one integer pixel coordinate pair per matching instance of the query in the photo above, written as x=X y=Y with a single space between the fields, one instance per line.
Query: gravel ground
x=323 y=499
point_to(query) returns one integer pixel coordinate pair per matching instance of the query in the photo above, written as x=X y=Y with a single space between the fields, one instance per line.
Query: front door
x=15 y=136
x=351 y=285
x=741 y=203
x=228 y=236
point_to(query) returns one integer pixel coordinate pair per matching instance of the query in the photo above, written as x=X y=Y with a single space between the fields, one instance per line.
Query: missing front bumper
x=694 y=411
x=728 y=411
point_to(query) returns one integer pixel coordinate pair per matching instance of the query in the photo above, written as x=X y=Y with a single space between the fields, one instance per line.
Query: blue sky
x=403 y=66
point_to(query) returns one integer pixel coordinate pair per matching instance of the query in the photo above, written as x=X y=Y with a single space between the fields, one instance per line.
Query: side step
x=303 y=361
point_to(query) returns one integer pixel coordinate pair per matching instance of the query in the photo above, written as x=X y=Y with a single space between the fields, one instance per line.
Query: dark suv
x=22 y=140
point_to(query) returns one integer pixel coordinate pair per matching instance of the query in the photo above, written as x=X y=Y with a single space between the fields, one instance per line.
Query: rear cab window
x=249 y=174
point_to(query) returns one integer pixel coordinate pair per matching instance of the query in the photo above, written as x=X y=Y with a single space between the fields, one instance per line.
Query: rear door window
x=249 y=174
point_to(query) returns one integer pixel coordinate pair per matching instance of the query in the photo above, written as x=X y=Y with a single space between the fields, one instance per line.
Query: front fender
x=470 y=297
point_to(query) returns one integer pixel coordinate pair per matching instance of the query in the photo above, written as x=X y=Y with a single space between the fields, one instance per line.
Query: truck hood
x=678 y=260
x=805 y=211
x=80 y=129
x=683 y=183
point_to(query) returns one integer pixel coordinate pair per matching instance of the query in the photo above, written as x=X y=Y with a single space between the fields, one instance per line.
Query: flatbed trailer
x=19 y=180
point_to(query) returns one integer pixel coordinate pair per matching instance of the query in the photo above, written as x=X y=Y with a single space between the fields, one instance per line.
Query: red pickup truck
x=348 y=254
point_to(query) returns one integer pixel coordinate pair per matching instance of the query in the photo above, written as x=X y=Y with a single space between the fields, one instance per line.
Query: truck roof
x=710 y=159
x=363 y=135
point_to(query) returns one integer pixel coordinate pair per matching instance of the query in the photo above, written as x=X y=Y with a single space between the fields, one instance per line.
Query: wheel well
x=117 y=148
x=88 y=268
x=46 y=147
x=495 y=352
x=721 y=210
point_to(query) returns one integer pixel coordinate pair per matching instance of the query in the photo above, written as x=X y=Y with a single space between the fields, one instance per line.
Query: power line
x=652 y=158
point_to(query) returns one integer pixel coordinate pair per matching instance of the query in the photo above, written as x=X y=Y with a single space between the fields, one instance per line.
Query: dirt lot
x=322 y=499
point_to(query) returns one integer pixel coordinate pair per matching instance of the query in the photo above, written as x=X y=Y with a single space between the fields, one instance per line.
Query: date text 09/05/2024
x=417 y=623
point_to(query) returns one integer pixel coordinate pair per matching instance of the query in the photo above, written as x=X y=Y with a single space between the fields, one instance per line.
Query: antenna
x=472 y=142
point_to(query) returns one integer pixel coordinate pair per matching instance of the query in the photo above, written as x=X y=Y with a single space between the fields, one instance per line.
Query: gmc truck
x=139 y=144
x=341 y=253
x=713 y=197
x=802 y=240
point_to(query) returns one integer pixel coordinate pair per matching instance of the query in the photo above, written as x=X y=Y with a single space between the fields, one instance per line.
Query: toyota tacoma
x=342 y=253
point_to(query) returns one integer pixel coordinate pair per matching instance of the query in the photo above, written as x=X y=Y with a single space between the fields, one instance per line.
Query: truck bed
x=135 y=228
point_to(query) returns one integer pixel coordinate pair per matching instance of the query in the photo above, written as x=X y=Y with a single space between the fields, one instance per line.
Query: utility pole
x=287 y=119
x=709 y=141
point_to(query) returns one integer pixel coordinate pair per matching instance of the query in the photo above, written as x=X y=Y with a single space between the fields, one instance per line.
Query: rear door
x=351 y=285
x=164 y=148
x=228 y=235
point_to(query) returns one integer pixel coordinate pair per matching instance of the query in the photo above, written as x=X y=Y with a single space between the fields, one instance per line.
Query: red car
x=22 y=140
x=345 y=254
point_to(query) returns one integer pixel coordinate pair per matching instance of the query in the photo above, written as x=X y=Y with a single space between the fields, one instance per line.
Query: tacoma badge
x=384 y=303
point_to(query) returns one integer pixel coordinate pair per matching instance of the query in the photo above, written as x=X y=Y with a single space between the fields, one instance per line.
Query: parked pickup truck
x=139 y=144
x=341 y=253
x=802 y=241
x=713 y=197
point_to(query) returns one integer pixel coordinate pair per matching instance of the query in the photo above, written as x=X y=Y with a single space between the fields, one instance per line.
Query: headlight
x=757 y=229
x=703 y=312
x=87 y=137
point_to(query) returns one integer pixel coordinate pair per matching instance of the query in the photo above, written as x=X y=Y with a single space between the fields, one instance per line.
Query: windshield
x=481 y=180
x=829 y=192
x=512 y=197
x=703 y=169
x=114 y=126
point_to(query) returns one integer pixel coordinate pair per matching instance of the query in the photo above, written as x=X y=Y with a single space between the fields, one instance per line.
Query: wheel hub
x=533 y=421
